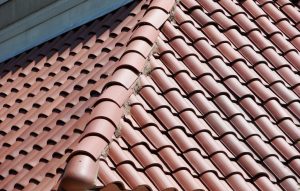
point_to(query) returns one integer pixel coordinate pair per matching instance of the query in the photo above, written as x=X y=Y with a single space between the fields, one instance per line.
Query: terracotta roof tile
x=158 y=95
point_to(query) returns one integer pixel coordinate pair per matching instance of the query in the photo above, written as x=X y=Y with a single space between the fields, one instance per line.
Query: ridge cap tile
x=132 y=45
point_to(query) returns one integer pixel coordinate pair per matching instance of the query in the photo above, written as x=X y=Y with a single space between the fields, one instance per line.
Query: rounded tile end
x=80 y=174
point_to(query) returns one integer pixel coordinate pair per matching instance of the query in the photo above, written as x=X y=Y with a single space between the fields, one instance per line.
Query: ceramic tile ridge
x=82 y=168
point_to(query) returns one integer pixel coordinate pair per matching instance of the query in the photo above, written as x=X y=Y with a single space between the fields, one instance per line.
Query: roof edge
x=84 y=179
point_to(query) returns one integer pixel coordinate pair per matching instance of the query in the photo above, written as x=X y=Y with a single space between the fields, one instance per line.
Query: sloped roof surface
x=189 y=95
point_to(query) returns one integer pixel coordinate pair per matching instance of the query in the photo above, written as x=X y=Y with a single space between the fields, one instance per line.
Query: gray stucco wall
x=48 y=22
x=14 y=10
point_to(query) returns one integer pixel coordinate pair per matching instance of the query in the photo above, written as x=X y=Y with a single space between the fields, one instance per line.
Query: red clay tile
x=193 y=34
x=290 y=31
x=187 y=181
x=205 y=99
x=237 y=182
x=100 y=127
x=131 y=176
x=289 y=184
x=108 y=94
x=232 y=8
x=160 y=180
x=201 y=18
x=286 y=150
x=155 y=17
x=227 y=24
x=84 y=147
x=81 y=172
x=146 y=32
x=165 y=5
x=244 y=22
x=131 y=60
x=253 y=9
x=210 y=7
x=213 y=183
x=140 y=46
x=191 y=4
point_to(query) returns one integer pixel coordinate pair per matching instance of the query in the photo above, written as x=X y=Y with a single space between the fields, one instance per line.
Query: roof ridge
x=82 y=167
